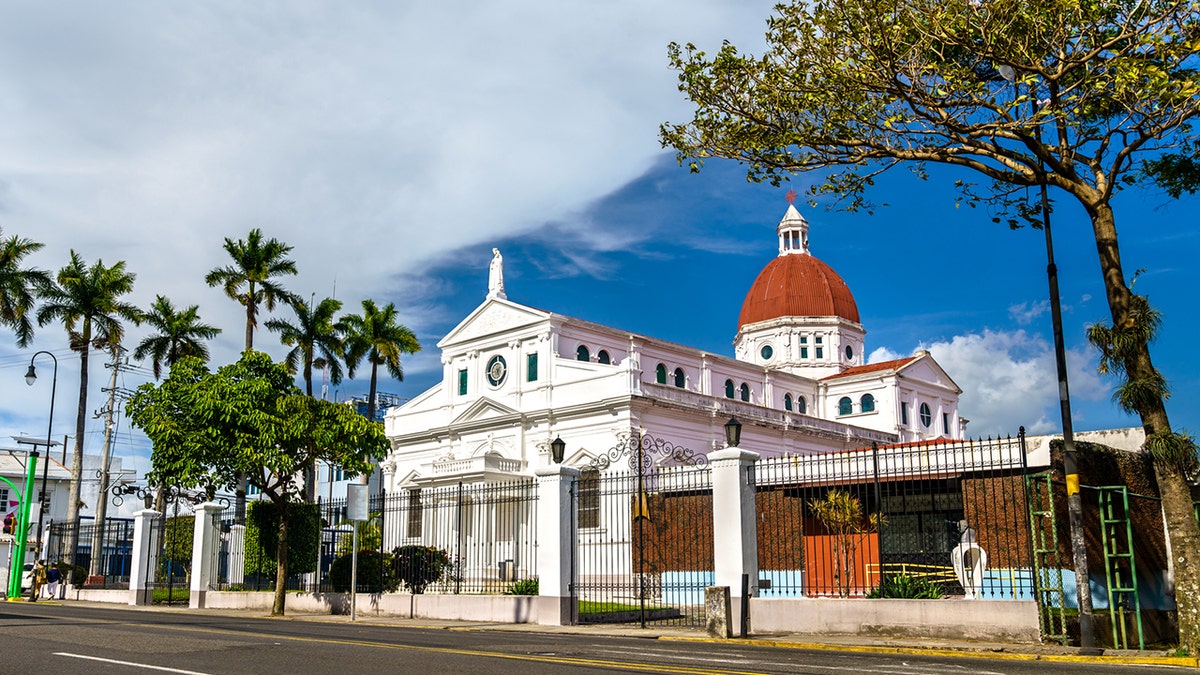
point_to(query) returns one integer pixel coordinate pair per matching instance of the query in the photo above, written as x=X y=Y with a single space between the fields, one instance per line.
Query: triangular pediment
x=494 y=317
x=483 y=409
x=925 y=369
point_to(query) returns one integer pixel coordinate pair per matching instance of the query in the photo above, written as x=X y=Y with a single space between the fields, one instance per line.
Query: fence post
x=555 y=544
x=735 y=523
x=145 y=558
x=204 y=542
x=237 y=554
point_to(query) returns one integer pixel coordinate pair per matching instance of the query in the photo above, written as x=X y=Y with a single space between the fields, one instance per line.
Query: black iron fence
x=645 y=545
x=916 y=520
x=477 y=538
x=115 y=551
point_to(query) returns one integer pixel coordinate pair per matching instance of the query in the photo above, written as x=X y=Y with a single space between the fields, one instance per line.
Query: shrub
x=370 y=563
x=523 y=587
x=419 y=566
x=262 y=538
x=906 y=586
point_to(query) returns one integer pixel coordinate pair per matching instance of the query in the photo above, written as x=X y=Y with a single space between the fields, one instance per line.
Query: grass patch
x=594 y=607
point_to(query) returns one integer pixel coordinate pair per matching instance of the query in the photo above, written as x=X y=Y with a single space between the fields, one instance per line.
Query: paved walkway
x=862 y=643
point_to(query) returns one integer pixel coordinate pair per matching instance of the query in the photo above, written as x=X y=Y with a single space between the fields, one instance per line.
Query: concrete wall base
x=494 y=608
x=987 y=620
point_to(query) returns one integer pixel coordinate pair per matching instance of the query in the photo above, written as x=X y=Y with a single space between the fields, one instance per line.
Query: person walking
x=39 y=580
x=52 y=578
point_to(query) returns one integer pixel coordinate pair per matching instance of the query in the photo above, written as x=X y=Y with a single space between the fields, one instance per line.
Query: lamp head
x=558 y=447
x=31 y=375
x=733 y=432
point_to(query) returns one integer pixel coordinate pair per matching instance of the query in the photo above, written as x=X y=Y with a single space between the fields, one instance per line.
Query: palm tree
x=315 y=340
x=19 y=286
x=376 y=336
x=87 y=300
x=179 y=334
x=251 y=278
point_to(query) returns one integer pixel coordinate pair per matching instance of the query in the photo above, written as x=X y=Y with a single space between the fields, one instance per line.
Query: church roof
x=796 y=283
x=896 y=364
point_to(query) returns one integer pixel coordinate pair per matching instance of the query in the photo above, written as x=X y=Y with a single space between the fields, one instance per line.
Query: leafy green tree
x=1080 y=98
x=249 y=419
x=252 y=280
x=19 y=285
x=87 y=301
x=179 y=334
x=377 y=336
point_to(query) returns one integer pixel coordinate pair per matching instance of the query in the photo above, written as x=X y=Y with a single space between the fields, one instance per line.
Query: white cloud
x=1026 y=312
x=1009 y=379
x=374 y=137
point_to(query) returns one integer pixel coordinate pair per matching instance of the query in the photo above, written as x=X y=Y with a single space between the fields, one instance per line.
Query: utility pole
x=96 y=568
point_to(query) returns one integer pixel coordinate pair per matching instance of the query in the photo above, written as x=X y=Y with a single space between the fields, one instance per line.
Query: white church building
x=515 y=378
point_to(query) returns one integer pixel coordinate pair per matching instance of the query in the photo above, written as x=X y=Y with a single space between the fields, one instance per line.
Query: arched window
x=803 y=405
x=866 y=403
x=787 y=402
x=728 y=388
x=680 y=378
x=582 y=354
x=660 y=374
x=926 y=415
x=603 y=357
x=845 y=406
x=745 y=392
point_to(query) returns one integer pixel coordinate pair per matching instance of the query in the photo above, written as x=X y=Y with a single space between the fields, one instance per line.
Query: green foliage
x=523 y=587
x=906 y=586
x=178 y=535
x=252 y=278
x=419 y=566
x=19 y=286
x=179 y=334
x=369 y=537
x=262 y=538
x=377 y=336
x=369 y=565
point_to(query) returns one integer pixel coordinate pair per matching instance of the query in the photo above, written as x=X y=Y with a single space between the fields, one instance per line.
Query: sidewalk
x=859 y=643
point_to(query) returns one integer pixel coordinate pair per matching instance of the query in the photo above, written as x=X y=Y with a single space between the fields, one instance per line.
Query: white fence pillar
x=205 y=541
x=237 y=554
x=145 y=557
x=735 y=525
x=555 y=544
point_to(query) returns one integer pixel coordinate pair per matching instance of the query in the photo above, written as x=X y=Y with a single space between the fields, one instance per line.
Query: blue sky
x=393 y=146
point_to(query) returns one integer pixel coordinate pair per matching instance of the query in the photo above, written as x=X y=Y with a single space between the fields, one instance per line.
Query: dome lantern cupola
x=793 y=233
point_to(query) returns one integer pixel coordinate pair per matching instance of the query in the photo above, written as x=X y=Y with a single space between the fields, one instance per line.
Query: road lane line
x=129 y=663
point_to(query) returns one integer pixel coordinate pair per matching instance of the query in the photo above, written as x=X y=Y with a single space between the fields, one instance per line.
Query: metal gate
x=644 y=550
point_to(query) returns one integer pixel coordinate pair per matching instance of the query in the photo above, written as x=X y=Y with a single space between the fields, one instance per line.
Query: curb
x=1182 y=661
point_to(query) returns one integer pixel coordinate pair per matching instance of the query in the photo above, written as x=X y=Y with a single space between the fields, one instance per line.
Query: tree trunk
x=73 y=521
x=1183 y=534
x=281 y=563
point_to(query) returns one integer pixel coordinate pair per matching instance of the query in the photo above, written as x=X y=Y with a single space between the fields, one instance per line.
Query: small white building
x=516 y=377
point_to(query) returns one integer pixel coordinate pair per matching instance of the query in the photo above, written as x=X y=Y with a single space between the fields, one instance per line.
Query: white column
x=205 y=541
x=735 y=526
x=555 y=541
x=237 y=554
x=144 y=558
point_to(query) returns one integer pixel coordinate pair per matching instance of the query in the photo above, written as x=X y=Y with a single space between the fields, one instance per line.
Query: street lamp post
x=30 y=378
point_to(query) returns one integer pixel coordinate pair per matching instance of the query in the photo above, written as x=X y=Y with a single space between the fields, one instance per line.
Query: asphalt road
x=66 y=639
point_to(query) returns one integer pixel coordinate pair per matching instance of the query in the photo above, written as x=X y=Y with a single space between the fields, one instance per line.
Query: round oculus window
x=766 y=352
x=849 y=352
x=497 y=370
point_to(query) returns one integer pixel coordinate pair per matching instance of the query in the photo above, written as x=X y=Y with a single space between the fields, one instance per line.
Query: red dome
x=797 y=285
